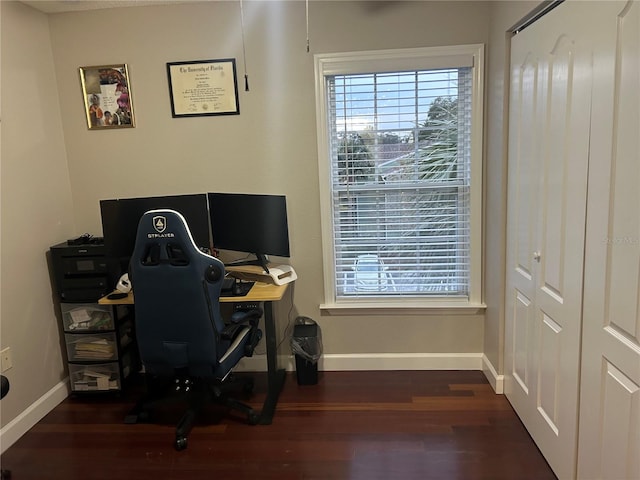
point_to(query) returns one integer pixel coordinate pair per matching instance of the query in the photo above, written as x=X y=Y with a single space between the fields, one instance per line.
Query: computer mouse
x=237 y=288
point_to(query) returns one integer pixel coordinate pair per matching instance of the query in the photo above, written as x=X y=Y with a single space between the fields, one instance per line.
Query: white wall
x=269 y=148
x=52 y=165
x=36 y=206
x=503 y=16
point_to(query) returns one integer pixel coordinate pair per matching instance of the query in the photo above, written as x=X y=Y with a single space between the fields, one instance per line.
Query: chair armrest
x=239 y=320
x=230 y=331
x=246 y=316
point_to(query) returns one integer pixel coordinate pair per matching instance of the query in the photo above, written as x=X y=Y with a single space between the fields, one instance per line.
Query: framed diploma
x=107 y=96
x=204 y=87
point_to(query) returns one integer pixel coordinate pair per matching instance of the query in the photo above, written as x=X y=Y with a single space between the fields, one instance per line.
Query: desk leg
x=275 y=376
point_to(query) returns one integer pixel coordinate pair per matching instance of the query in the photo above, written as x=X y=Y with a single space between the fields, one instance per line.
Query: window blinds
x=400 y=182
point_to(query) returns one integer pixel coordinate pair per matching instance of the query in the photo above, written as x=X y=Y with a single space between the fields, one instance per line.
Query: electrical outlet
x=5 y=357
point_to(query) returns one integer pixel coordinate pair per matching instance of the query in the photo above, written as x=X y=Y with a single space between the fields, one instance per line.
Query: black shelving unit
x=100 y=339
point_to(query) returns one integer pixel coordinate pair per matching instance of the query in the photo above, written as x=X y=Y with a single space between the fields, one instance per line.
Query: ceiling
x=60 y=6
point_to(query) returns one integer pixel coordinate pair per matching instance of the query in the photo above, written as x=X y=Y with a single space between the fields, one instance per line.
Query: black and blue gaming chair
x=180 y=331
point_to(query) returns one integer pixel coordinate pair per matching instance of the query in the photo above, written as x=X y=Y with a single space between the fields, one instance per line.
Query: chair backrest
x=176 y=289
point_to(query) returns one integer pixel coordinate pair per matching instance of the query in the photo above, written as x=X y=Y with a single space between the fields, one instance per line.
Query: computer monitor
x=250 y=223
x=120 y=219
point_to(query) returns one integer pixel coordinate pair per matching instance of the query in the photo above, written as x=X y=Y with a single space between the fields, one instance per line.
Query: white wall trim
x=17 y=427
x=375 y=361
x=496 y=381
x=402 y=361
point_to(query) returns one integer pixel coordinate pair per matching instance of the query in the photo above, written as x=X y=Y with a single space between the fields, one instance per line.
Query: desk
x=260 y=292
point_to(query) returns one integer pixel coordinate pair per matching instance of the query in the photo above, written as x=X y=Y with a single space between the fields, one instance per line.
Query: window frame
x=346 y=63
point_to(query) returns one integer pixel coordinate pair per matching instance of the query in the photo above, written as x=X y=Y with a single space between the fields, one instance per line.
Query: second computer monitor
x=250 y=223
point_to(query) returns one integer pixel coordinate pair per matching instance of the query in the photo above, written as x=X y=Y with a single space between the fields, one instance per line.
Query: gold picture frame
x=108 y=103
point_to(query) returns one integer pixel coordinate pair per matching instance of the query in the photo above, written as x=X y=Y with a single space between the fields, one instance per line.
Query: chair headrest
x=164 y=224
x=168 y=232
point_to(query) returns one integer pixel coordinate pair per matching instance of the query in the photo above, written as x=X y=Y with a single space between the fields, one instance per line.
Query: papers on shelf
x=83 y=318
x=80 y=315
x=92 y=378
x=91 y=348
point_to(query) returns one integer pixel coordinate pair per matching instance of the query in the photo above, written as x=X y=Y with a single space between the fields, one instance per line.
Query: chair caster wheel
x=253 y=418
x=181 y=443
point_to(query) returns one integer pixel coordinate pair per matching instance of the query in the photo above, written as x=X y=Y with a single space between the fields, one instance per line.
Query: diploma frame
x=203 y=88
x=108 y=102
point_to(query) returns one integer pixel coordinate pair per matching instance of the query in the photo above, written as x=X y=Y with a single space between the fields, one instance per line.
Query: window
x=400 y=156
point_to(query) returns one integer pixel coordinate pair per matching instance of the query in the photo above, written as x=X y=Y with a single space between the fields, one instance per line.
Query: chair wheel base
x=131 y=419
x=247 y=387
x=180 y=443
x=253 y=418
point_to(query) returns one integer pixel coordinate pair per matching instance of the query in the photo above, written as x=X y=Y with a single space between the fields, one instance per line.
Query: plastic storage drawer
x=97 y=347
x=95 y=377
x=81 y=317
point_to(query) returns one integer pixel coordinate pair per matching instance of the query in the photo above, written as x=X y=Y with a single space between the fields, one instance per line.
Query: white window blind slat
x=400 y=182
x=400 y=164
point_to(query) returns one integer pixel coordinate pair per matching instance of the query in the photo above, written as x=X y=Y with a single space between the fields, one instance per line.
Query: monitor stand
x=260 y=260
x=277 y=274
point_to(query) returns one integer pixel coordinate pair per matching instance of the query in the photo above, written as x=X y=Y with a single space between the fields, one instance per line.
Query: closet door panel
x=561 y=238
x=610 y=393
x=522 y=332
x=526 y=151
x=556 y=172
x=620 y=421
x=557 y=169
x=523 y=190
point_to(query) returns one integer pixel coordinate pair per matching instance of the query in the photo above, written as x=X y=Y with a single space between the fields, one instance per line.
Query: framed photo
x=205 y=87
x=107 y=96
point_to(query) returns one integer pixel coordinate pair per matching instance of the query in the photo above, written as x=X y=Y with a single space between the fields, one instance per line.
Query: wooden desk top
x=260 y=292
x=128 y=300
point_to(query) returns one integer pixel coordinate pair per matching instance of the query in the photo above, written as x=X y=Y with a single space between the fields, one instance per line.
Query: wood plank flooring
x=350 y=426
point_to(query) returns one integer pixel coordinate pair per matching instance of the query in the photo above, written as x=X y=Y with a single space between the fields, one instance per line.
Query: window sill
x=405 y=308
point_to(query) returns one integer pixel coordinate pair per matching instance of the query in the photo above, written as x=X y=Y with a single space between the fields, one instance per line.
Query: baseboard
x=379 y=361
x=496 y=381
x=402 y=361
x=258 y=363
x=17 y=427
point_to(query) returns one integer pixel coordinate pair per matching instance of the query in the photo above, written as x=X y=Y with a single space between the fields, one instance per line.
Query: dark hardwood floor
x=351 y=425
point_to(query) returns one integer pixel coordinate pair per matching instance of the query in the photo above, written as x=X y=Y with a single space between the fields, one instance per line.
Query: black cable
x=285 y=329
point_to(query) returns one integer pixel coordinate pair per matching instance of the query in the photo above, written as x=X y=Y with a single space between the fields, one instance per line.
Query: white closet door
x=550 y=107
x=610 y=392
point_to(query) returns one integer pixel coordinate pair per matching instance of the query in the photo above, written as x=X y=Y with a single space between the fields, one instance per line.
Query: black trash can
x=307 y=347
